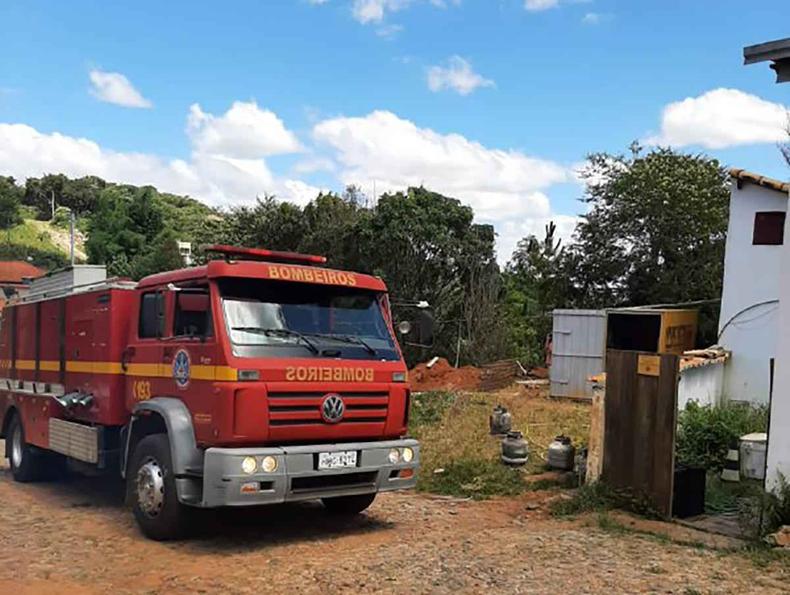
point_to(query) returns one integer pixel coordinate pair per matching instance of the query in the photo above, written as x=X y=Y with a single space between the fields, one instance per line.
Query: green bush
x=706 y=433
x=45 y=258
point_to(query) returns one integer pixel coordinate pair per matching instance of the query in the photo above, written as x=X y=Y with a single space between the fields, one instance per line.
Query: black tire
x=156 y=508
x=348 y=505
x=26 y=461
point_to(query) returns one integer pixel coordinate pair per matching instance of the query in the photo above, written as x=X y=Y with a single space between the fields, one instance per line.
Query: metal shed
x=578 y=349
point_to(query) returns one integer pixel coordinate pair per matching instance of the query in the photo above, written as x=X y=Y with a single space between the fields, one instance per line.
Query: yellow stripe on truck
x=197 y=372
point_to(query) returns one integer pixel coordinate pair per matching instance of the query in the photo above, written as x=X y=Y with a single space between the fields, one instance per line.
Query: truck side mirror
x=418 y=332
x=425 y=324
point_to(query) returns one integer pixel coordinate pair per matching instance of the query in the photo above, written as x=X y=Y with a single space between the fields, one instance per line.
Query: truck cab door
x=191 y=356
x=141 y=361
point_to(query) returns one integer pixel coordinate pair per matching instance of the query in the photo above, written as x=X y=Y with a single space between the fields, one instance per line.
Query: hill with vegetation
x=653 y=232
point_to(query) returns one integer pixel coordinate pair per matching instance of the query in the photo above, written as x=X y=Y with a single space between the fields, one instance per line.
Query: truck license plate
x=337 y=460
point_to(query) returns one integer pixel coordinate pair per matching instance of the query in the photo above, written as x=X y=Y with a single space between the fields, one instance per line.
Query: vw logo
x=332 y=408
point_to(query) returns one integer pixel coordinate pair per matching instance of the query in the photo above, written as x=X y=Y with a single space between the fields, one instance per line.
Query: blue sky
x=495 y=102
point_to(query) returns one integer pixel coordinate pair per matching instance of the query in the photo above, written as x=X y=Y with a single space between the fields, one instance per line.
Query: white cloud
x=375 y=11
x=395 y=153
x=457 y=75
x=317 y=2
x=389 y=31
x=505 y=187
x=244 y=131
x=113 y=87
x=538 y=5
x=596 y=18
x=721 y=118
x=224 y=168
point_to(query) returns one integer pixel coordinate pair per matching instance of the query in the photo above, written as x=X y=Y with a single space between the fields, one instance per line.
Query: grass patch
x=762 y=555
x=26 y=241
x=428 y=408
x=454 y=434
x=591 y=497
x=609 y=525
x=475 y=478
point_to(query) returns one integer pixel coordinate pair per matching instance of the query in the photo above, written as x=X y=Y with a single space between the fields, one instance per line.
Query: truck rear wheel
x=152 y=491
x=27 y=462
x=348 y=505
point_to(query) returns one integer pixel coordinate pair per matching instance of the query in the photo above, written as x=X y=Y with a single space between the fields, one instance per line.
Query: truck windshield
x=268 y=318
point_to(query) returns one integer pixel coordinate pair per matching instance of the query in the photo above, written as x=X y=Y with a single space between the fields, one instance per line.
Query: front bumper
x=297 y=476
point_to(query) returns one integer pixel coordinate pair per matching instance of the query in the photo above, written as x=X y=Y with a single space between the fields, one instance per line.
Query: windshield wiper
x=348 y=339
x=279 y=332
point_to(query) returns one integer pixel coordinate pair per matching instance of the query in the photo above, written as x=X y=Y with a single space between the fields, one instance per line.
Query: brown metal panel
x=640 y=419
x=678 y=331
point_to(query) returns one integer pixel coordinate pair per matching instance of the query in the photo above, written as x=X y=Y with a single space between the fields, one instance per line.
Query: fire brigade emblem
x=181 y=365
x=332 y=408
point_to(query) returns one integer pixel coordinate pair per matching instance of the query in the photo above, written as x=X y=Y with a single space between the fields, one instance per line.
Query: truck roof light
x=265 y=255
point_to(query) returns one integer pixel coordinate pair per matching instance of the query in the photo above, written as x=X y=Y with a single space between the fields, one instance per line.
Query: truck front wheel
x=152 y=491
x=348 y=505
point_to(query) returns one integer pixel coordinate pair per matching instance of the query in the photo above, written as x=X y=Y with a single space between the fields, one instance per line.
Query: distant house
x=14 y=277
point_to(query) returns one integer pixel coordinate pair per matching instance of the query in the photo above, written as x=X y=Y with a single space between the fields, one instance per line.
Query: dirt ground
x=77 y=538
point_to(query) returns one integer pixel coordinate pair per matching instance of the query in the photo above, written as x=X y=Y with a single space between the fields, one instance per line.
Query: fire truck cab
x=258 y=378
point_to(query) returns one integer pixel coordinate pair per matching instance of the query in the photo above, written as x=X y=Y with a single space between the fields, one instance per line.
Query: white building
x=749 y=318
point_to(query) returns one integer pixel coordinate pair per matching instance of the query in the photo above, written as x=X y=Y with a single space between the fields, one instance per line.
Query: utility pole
x=71 y=229
x=52 y=202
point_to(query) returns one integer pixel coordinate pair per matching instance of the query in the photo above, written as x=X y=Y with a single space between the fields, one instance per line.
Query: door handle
x=126 y=357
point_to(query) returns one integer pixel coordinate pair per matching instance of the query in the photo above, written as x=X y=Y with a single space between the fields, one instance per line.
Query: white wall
x=751 y=276
x=779 y=431
x=702 y=384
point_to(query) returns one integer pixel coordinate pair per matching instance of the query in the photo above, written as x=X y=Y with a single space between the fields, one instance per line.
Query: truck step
x=74 y=440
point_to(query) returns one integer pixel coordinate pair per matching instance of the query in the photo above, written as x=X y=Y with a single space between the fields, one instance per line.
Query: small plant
x=598 y=497
x=428 y=408
x=476 y=478
x=591 y=497
x=705 y=433
x=609 y=525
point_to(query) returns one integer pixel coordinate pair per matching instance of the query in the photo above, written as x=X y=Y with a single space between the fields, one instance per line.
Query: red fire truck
x=258 y=378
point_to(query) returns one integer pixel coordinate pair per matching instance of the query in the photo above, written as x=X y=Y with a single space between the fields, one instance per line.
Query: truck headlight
x=393 y=456
x=408 y=455
x=249 y=465
x=269 y=464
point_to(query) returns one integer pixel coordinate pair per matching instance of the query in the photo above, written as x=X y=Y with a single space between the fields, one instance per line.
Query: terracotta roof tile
x=16 y=271
x=746 y=176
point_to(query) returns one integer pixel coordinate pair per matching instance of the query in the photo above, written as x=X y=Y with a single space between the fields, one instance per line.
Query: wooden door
x=641 y=419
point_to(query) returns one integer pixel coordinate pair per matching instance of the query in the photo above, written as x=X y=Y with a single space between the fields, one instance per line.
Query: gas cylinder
x=514 y=449
x=500 y=421
x=561 y=454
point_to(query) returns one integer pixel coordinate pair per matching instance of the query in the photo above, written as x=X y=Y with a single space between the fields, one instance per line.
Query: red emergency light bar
x=265 y=255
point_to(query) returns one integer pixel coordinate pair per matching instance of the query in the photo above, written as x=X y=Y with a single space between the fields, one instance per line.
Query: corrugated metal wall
x=578 y=350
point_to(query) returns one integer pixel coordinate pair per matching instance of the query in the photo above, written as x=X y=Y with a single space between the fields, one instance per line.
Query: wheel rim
x=16 y=447
x=150 y=488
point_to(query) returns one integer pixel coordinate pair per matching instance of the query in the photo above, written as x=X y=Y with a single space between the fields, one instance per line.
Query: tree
x=426 y=246
x=10 y=200
x=269 y=223
x=537 y=283
x=654 y=233
x=162 y=255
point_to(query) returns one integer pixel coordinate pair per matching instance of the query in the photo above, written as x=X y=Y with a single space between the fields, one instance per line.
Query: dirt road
x=76 y=537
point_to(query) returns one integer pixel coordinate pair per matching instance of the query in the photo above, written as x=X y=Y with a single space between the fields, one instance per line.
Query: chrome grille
x=304 y=408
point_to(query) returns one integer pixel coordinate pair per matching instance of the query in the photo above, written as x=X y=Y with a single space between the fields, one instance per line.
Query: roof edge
x=742 y=175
